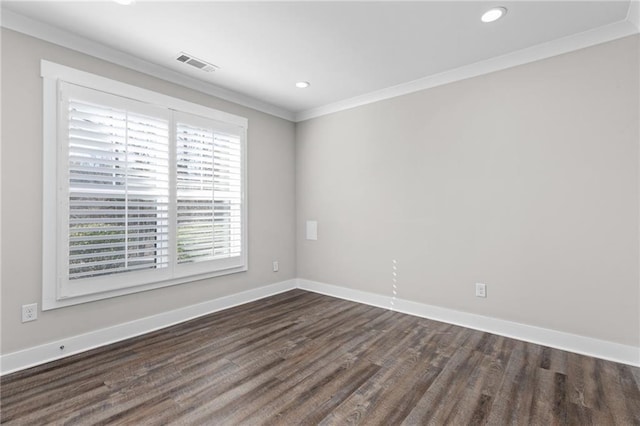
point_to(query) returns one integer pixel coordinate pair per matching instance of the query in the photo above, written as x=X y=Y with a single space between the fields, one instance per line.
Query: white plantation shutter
x=228 y=195
x=118 y=191
x=146 y=196
x=208 y=192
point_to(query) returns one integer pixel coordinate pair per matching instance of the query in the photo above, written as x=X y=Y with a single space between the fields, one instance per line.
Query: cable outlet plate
x=29 y=312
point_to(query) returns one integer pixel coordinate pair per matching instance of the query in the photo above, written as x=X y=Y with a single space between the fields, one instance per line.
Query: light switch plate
x=481 y=290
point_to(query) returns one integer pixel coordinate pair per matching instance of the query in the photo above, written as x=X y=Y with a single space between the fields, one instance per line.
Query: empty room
x=319 y=212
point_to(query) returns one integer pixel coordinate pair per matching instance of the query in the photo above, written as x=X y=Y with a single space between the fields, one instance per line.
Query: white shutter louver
x=118 y=190
x=209 y=194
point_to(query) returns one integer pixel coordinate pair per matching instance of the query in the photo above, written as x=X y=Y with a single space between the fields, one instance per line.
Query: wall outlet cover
x=29 y=312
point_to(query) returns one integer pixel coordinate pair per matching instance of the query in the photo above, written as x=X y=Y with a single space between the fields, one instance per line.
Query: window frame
x=55 y=229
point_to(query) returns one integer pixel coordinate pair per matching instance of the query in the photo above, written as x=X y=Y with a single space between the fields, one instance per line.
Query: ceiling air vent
x=195 y=62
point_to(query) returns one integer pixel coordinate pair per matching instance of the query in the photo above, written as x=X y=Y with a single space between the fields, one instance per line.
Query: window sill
x=49 y=301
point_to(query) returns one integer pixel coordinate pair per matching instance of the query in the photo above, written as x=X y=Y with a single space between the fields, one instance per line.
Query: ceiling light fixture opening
x=124 y=2
x=303 y=84
x=493 y=14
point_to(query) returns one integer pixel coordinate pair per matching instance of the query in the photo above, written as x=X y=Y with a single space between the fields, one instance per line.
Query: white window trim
x=53 y=73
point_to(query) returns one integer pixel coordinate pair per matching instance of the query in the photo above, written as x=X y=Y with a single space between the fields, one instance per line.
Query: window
x=139 y=193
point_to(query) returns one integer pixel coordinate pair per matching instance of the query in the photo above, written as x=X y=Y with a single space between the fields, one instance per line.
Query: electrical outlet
x=481 y=290
x=29 y=312
x=275 y=266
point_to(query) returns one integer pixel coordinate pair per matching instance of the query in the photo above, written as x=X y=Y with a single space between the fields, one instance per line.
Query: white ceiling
x=345 y=49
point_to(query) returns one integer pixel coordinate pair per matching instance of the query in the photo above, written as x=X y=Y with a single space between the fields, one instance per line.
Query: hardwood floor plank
x=537 y=402
x=440 y=398
x=318 y=395
x=398 y=401
x=560 y=409
x=514 y=395
x=622 y=407
x=471 y=399
x=390 y=395
x=305 y=358
x=56 y=379
x=481 y=410
x=580 y=415
x=304 y=367
x=62 y=411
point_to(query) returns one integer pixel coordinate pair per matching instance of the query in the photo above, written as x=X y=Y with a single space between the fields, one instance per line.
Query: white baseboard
x=51 y=351
x=543 y=336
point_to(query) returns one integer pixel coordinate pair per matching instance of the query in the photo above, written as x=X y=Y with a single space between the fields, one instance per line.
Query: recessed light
x=493 y=14
x=124 y=2
x=303 y=84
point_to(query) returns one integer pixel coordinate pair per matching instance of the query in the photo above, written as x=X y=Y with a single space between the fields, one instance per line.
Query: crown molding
x=37 y=29
x=633 y=14
x=49 y=33
x=535 y=53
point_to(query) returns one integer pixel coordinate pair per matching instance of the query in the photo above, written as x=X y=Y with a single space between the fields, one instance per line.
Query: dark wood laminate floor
x=304 y=358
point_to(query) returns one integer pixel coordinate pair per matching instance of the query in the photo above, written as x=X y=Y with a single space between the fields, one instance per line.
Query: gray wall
x=524 y=179
x=271 y=156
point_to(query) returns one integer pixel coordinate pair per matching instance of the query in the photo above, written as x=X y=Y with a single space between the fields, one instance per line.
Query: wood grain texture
x=304 y=358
